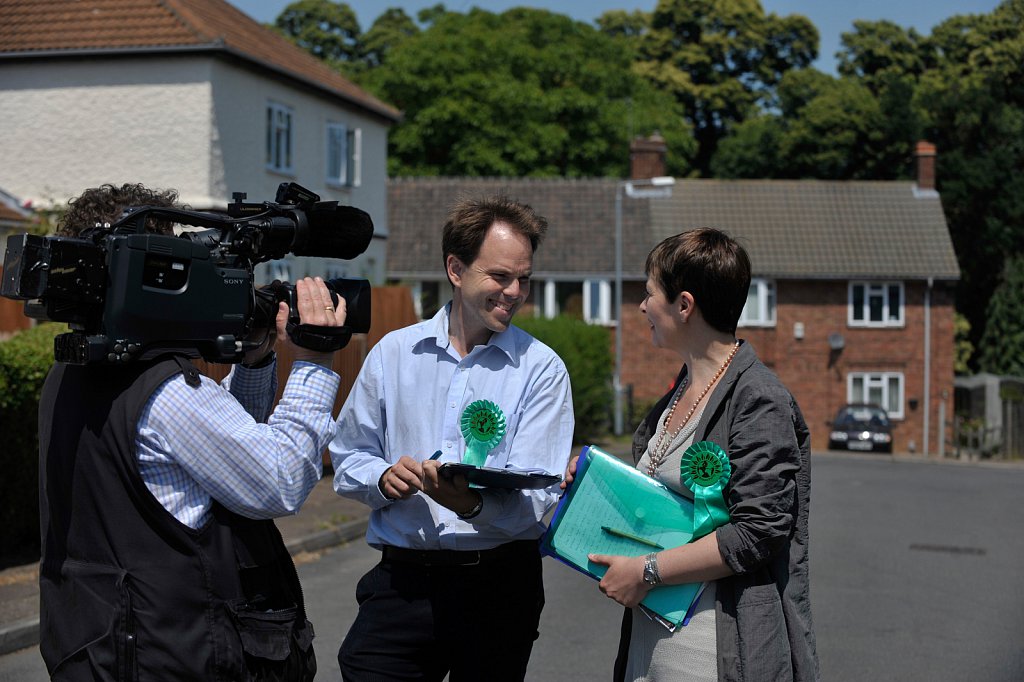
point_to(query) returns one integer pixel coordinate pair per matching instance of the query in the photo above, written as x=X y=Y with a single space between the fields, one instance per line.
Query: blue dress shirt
x=196 y=445
x=408 y=400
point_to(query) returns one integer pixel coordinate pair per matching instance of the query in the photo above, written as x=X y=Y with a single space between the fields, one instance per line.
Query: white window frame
x=882 y=381
x=764 y=316
x=604 y=301
x=280 y=137
x=344 y=144
x=355 y=143
x=549 y=300
x=871 y=290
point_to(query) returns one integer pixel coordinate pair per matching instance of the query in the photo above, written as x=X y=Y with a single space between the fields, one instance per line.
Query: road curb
x=328 y=538
x=22 y=634
x=25 y=633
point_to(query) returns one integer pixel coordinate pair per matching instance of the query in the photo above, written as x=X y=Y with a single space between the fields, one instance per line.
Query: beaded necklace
x=658 y=456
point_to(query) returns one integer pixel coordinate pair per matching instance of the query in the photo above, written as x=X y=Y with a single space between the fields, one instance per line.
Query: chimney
x=647 y=157
x=924 y=159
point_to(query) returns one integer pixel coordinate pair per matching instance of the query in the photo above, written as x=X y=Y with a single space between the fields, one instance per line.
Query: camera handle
x=316 y=337
x=311 y=336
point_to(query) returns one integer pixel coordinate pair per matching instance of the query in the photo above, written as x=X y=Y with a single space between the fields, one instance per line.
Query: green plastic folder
x=611 y=508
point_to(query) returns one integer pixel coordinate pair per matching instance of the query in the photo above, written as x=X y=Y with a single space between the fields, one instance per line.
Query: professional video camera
x=129 y=295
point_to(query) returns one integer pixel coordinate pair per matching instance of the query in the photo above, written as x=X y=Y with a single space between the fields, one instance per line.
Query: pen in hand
x=629 y=536
x=436 y=455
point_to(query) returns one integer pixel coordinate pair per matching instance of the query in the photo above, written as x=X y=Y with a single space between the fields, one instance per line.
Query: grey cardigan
x=763 y=612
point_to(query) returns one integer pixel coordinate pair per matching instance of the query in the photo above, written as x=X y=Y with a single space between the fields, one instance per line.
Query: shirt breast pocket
x=497 y=458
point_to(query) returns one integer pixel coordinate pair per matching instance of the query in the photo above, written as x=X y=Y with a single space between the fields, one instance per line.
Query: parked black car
x=861 y=427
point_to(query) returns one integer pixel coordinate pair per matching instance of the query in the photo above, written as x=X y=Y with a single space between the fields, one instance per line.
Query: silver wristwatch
x=474 y=512
x=651 y=575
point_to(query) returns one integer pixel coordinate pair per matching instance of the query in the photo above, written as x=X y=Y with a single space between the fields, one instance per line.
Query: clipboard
x=487 y=477
x=611 y=508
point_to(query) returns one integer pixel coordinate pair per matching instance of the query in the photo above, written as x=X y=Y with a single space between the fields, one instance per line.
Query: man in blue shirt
x=458 y=590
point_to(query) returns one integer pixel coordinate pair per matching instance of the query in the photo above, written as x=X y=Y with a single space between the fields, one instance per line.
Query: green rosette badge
x=483 y=427
x=705 y=470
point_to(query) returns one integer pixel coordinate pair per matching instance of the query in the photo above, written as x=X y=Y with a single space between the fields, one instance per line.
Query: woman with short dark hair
x=753 y=620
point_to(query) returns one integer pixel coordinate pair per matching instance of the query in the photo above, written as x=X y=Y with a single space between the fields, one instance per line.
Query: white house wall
x=66 y=126
x=240 y=101
x=194 y=124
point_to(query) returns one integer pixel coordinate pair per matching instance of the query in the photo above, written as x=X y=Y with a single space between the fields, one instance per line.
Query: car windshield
x=861 y=417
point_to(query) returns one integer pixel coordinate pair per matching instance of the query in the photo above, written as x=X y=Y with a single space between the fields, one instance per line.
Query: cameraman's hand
x=313 y=300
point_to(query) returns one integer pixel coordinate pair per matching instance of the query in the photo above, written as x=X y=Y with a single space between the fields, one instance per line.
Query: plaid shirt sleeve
x=223 y=442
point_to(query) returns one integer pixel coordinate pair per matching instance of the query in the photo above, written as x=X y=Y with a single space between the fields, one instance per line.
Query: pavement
x=325 y=520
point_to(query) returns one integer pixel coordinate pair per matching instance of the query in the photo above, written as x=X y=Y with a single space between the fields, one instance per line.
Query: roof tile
x=48 y=26
x=792 y=229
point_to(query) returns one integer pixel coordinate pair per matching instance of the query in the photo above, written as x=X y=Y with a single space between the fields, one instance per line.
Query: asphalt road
x=917 y=573
x=917 y=570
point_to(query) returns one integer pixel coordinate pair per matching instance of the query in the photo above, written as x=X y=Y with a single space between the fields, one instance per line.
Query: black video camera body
x=128 y=295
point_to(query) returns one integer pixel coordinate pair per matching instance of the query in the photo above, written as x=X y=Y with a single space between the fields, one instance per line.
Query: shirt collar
x=437 y=330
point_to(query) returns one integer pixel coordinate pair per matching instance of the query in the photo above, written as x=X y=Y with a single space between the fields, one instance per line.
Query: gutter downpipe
x=927 y=362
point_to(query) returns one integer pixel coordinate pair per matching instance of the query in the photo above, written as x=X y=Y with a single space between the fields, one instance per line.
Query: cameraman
x=157 y=486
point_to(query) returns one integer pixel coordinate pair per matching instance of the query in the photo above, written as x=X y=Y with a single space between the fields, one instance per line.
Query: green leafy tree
x=888 y=60
x=721 y=60
x=429 y=16
x=622 y=24
x=1002 y=345
x=25 y=360
x=963 y=349
x=824 y=128
x=752 y=150
x=835 y=134
x=877 y=50
x=972 y=102
x=522 y=93
x=585 y=350
x=388 y=30
x=326 y=29
x=862 y=125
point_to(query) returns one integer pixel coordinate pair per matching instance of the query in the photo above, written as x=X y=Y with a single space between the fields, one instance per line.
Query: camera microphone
x=335 y=231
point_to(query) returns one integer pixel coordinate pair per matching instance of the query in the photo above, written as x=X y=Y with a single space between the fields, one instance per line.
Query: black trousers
x=419 y=620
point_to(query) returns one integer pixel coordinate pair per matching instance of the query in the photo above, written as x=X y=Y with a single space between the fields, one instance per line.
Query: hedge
x=584 y=349
x=25 y=360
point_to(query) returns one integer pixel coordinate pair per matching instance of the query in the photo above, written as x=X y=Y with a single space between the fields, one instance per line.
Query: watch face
x=649 y=574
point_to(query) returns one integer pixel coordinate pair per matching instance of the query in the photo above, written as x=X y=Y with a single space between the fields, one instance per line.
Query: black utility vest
x=127 y=591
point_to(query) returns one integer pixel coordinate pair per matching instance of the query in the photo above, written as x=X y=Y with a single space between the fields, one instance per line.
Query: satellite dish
x=836 y=341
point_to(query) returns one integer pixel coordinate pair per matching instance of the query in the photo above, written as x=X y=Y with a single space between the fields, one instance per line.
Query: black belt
x=455 y=557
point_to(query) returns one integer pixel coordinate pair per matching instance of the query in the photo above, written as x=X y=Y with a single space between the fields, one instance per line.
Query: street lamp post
x=651 y=188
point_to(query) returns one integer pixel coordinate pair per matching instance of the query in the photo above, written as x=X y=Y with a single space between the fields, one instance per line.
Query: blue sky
x=832 y=17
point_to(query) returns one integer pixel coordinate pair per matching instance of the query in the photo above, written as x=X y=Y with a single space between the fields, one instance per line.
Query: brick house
x=852 y=298
x=186 y=94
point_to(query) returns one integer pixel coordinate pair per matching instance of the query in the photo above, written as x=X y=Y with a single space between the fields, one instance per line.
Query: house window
x=344 y=149
x=597 y=301
x=878 y=388
x=759 y=310
x=590 y=300
x=279 y=137
x=426 y=298
x=874 y=304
